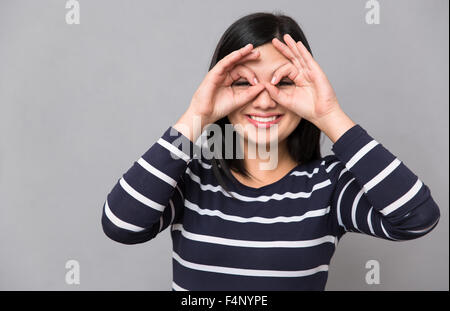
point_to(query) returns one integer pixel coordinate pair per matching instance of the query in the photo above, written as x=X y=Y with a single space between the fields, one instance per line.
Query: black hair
x=260 y=28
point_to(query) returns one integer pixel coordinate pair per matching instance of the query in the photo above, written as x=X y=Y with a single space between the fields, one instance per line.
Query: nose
x=264 y=101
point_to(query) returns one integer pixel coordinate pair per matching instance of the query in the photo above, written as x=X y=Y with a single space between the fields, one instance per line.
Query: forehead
x=269 y=60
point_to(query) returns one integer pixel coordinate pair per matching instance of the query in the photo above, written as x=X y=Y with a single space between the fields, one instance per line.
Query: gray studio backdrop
x=81 y=102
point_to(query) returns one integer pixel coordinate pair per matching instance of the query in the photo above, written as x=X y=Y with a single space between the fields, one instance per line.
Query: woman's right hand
x=215 y=98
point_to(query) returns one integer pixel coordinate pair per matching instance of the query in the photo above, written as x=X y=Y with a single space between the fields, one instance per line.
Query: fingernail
x=273 y=80
x=256 y=80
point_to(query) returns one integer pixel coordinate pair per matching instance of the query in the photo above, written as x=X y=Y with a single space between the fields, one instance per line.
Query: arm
x=150 y=195
x=375 y=193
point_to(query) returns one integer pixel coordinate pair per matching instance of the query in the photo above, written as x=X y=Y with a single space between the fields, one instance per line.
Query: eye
x=285 y=82
x=240 y=83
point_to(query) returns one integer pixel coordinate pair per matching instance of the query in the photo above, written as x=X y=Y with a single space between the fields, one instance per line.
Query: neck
x=270 y=162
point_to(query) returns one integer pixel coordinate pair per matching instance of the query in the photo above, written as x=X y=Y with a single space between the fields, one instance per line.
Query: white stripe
x=157 y=172
x=262 y=198
x=382 y=228
x=174 y=149
x=256 y=219
x=423 y=230
x=342 y=172
x=248 y=272
x=172 y=210
x=331 y=166
x=354 y=207
x=361 y=153
x=305 y=173
x=256 y=244
x=369 y=220
x=144 y=200
x=339 y=203
x=385 y=232
x=176 y=287
x=382 y=175
x=405 y=198
x=120 y=223
x=203 y=164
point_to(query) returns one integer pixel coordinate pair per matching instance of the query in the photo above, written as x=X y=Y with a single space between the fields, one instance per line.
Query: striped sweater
x=281 y=236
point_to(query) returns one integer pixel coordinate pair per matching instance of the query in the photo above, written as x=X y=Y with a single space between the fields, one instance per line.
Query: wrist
x=191 y=124
x=334 y=124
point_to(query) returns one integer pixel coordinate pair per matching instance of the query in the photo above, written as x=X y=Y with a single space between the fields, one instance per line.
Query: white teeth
x=263 y=119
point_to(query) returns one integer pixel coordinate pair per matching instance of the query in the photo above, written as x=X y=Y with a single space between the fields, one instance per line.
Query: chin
x=265 y=135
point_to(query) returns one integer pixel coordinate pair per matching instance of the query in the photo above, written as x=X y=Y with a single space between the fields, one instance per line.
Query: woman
x=236 y=226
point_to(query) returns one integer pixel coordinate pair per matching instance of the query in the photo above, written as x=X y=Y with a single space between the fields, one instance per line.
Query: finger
x=295 y=49
x=279 y=96
x=288 y=70
x=307 y=57
x=254 y=54
x=246 y=96
x=292 y=45
x=286 y=51
x=242 y=71
x=228 y=61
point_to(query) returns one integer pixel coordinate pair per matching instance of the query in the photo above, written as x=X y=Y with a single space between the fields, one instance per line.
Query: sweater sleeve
x=375 y=193
x=150 y=195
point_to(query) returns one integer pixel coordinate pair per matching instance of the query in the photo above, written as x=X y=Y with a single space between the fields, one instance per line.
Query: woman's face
x=262 y=131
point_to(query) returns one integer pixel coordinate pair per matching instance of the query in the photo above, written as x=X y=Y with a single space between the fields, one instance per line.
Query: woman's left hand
x=312 y=97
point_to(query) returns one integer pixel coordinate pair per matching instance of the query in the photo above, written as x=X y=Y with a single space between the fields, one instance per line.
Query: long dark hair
x=260 y=28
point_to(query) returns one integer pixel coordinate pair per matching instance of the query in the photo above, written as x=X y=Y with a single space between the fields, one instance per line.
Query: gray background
x=80 y=103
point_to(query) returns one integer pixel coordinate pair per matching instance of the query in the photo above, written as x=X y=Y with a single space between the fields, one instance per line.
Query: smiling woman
x=298 y=139
x=237 y=227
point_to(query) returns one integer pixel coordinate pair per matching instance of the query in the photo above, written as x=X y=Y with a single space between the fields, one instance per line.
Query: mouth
x=264 y=122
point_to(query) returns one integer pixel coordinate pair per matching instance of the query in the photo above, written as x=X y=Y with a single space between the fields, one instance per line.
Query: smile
x=264 y=122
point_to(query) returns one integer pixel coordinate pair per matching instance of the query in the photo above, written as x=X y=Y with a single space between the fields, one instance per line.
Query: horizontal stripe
x=248 y=272
x=176 y=287
x=118 y=222
x=138 y=196
x=405 y=198
x=262 y=198
x=258 y=244
x=255 y=219
x=331 y=166
x=424 y=230
x=174 y=150
x=382 y=175
x=153 y=170
x=360 y=154
x=305 y=173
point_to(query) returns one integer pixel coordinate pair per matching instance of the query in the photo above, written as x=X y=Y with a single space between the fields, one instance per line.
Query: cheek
x=290 y=123
x=233 y=118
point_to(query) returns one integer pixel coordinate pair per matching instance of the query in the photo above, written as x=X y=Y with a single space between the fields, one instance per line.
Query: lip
x=264 y=124
x=263 y=115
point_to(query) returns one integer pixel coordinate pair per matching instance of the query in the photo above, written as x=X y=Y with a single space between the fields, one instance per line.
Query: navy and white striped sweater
x=281 y=236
